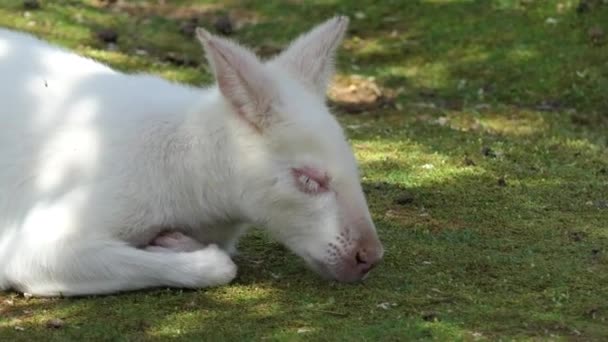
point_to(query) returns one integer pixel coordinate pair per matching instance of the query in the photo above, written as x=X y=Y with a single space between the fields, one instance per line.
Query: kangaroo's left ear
x=310 y=58
x=242 y=79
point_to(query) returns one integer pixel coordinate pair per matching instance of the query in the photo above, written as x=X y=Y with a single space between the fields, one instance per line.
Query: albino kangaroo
x=112 y=182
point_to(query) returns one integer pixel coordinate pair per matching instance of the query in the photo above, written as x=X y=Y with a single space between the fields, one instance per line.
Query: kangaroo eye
x=307 y=184
x=311 y=181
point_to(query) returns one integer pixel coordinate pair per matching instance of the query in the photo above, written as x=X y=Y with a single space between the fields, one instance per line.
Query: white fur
x=95 y=164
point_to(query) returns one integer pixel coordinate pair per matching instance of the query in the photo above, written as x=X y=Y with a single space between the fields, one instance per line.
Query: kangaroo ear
x=241 y=78
x=310 y=57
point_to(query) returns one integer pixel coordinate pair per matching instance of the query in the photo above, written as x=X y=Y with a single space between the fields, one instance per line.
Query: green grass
x=507 y=244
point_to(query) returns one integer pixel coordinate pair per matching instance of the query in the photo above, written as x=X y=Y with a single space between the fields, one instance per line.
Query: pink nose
x=366 y=260
x=360 y=260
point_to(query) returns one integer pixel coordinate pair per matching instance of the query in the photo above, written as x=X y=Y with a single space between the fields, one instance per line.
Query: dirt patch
x=356 y=94
x=413 y=217
x=200 y=13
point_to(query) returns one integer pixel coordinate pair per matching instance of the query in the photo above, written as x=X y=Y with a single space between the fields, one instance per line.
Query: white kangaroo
x=112 y=182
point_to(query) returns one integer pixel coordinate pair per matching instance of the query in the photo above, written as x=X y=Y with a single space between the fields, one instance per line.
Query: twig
x=341 y=314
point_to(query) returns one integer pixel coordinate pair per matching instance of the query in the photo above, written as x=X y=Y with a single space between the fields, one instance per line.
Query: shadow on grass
x=461 y=52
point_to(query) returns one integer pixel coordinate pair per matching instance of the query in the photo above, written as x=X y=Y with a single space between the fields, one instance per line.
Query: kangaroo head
x=299 y=175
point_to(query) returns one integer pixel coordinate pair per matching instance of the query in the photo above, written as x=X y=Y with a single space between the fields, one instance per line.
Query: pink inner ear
x=315 y=174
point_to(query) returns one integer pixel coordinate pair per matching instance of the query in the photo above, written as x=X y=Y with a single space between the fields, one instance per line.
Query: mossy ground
x=498 y=133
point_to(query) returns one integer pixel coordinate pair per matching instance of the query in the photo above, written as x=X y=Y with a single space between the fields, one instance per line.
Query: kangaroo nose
x=366 y=252
x=366 y=260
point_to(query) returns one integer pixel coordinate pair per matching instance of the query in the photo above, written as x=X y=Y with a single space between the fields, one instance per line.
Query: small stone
x=55 y=323
x=468 y=161
x=223 y=25
x=502 y=181
x=583 y=6
x=143 y=325
x=488 y=152
x=442 y=121
x=174 y=58
x=549 y=105
x=454 y=104
x=404 y=198
x=107 y=36
x=601 y=204
x=461 y=84
x=31 y=4
x=384 y=306
x=551 y=21
x=430 y=316
x=188 y=28
x=577 y=236
x=592 y=312
x=596 y=35
x=427 y=93
x=580 y=120
x=268 y=48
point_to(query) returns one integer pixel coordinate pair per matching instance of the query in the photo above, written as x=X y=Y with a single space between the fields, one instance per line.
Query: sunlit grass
x=421 y=74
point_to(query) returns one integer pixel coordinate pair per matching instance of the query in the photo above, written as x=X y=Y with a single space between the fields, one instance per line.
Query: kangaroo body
x=113 y=182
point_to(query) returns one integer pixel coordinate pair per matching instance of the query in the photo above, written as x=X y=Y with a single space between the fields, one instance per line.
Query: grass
x=497 y=131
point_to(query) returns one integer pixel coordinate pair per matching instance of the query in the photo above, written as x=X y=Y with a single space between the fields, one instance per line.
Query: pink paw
x=175 y=241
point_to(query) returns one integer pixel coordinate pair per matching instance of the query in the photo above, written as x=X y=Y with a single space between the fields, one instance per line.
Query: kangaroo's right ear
x=241 y=77
x=310 y=58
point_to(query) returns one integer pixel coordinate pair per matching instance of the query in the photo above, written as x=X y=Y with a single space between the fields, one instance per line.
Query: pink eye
x=311 y=180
